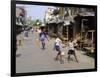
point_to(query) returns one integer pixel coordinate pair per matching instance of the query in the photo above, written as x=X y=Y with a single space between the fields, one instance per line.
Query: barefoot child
x=57 y=47
x=71 y=50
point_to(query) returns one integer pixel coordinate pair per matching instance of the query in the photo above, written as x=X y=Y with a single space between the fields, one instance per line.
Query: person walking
x=43 y=38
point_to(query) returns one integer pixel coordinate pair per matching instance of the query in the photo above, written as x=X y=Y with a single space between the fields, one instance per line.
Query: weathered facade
x=72 y=22
x=54 y=21
x=20 y=19
x=83 y=26
x=80 y=17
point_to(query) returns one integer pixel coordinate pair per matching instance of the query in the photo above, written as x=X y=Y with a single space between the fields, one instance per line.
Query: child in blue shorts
x=57 y=47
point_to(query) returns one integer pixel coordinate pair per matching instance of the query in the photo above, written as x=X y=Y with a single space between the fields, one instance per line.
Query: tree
x=36 y=22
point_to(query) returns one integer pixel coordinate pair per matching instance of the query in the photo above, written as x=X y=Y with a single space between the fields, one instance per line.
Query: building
x=81 y=25
x=75 y=17
x=53 y=21
x=72 y=22
x=20 y=19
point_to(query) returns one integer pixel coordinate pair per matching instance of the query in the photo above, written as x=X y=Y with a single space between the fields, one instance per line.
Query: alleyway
x=31 y=58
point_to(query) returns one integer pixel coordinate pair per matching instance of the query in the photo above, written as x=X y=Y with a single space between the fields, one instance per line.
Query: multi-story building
x=83 y=27
x=53 y=21
x=20 y=19
x=71 y=22
x=78 y=17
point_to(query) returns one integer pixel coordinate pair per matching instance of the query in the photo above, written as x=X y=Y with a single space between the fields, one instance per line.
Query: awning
x=87 y=14
x=66 y=23
x=52 y=21
x=19 y=24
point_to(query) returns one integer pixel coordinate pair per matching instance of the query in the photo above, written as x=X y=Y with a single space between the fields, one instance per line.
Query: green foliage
x=36 y=22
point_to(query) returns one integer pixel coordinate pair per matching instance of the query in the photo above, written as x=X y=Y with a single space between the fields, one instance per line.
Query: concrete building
x=53 y=21
x=78 y=16
x=72 y=22
x=20 y=19
x=81 y=25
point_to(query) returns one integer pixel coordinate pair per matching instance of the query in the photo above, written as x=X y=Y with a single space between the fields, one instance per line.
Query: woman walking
x=43 y=38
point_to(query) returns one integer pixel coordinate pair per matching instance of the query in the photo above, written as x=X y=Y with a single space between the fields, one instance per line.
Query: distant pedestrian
x=57 y=47
x=71 y=50
x=32 y=30
x=43 y=38
x=19 y=39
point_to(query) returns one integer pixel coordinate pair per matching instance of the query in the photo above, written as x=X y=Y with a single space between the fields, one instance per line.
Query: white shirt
x=58 y=42
x=71 y=46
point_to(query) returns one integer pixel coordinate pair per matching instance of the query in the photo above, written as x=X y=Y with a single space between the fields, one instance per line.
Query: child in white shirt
x=71 y=50
x=57 y=47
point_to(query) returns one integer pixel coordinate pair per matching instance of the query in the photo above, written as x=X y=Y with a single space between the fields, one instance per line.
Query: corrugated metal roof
x=66 y=23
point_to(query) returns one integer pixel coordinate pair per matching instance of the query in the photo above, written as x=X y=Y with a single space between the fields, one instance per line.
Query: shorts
x=71 y=52
x=75 y=46
x=42 y=39
x=57 y=48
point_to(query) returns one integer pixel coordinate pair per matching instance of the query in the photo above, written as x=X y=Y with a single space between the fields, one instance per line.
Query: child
x=57 y=47
x=71 y=50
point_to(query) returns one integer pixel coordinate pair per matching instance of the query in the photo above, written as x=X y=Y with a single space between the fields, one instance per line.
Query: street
x=31 y=58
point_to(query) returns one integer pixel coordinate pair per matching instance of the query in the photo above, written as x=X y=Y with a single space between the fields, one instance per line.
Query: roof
x=19 y=24
x=87 y=14
x=66 y=23
x=55 y=20
x=52 y=21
